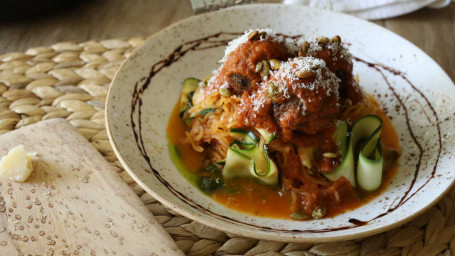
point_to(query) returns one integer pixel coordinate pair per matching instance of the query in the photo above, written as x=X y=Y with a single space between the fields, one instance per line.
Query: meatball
x=338 y=60
x=304 y=95
x=255 y=111
x=239 y=71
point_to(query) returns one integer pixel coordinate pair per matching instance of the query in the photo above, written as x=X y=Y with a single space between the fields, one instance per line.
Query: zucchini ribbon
x=370 y=159
x=245 y=159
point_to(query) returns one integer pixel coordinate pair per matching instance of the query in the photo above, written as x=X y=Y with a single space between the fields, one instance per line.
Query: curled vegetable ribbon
x=245 y=159
x=370 y=160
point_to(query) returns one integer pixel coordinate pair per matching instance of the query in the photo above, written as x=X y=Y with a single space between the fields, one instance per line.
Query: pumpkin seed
x=336 y=39
x=225 y=92
x=305 y=47
x=323 y=40
x=273 y=90
x=299 y=216
x=253 y=35
x=304 y=73
x=329 y=155
x=259 y=66
x=275 y=64
x=318 y=212
x=265 y=69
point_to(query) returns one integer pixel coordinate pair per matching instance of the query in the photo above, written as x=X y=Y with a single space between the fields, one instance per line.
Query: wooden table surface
x=431 y=30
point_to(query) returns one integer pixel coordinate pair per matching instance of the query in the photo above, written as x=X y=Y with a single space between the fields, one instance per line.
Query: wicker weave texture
x=70 y=80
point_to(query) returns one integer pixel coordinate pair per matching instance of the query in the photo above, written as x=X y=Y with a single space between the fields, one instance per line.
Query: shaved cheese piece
x=17 y=164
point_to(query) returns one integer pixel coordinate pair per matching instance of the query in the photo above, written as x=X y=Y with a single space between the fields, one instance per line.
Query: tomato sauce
x=176 y=129
x=251 y=197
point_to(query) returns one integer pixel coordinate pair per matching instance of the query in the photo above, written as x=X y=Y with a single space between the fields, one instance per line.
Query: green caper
x=319 y=212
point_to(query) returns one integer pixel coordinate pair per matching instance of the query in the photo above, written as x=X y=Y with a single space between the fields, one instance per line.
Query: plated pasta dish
x=282 y=129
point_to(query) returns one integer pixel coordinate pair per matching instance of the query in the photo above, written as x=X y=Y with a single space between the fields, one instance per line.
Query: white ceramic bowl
x=415 y=91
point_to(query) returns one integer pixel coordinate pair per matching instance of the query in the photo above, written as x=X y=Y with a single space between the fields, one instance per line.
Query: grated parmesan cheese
x=258 y=102
x=290 y=44
x=336 y=49
x=325 y=79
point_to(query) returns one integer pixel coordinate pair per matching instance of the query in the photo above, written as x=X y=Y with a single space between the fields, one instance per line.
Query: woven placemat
x=70 y=80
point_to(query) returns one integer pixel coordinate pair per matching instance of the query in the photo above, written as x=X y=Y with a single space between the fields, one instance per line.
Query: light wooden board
x=74 y=202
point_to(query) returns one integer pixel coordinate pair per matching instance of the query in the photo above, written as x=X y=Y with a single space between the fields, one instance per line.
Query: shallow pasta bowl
x=397 y=73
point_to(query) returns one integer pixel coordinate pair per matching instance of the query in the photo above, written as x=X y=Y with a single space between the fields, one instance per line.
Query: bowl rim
x=245 y=232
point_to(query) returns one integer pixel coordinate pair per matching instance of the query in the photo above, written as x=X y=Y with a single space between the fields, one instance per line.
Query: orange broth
x=251 y=197
x=176 y=129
